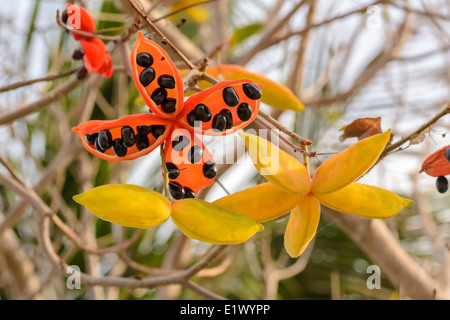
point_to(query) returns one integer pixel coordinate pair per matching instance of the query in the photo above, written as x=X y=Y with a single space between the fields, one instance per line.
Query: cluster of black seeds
x=442 y=182
x=224 y=119
x=102 y=140
x=165 y=81
x=177 y=191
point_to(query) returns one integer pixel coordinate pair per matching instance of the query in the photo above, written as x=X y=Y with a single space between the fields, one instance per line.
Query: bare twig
x=392 y=147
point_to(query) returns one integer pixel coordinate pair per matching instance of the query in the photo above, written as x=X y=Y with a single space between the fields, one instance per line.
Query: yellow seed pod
x=211 y=223
x=126 y=205
x=277 y=166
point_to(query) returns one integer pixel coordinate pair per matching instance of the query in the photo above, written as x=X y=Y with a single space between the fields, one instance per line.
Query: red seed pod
x=436 y=164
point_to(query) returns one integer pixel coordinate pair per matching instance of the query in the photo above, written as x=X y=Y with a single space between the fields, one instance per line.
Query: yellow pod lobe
x=207 y=222
x=277 y=166
x=262 y=203
x=126 y=205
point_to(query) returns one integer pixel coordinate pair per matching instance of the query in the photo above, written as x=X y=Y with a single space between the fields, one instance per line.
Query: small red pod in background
x=437 y=164
x=79 y=18
x=96 y=57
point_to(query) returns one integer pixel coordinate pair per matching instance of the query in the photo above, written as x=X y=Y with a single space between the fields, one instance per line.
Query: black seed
x=142 y=142
x=176 y=190
x=119 y=148
x=81 y=73
x=195 y=154
x=77 y=54
x=188 y=193
x=158 y=130
x=209 y=169
x=447 y=154
x=227 y=114
x=159 y=96
x=442 y=184
x=169 y=105
x=128 y=136
x=166 y=81
x=192 y=119
x=144 y=129
x=64 y=16
x=172 y=170
x=202 y=113
x=244 y=111
x=97 y=146
x=144 y=60
x=252 y=91
x=219 y=122
x=180 y=142
x=147 y=76
x=90 y=138
x=230 y=97
x=104 y=139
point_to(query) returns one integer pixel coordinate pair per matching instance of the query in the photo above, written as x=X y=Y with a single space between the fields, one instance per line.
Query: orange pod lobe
x=190 y=165
x=156 y=78
x=222 y=109
x=123 y=139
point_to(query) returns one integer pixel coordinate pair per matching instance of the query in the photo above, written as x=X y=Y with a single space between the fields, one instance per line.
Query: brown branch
x=279 y=126
x=56 y=94
x=17 y=85
x=390 y=148
x=375 y=239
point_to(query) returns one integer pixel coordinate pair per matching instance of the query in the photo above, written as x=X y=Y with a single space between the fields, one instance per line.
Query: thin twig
x=422 y=128
x=20 y=84
x=155 y=28
x=279 y=126
x=84 y=33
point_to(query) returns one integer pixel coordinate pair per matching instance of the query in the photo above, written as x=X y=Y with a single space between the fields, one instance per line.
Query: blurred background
x=343 y=59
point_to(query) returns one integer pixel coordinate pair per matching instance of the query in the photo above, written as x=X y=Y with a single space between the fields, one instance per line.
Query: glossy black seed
x=244 y=111
x=442 y=184
x=144 y=60
x=230 y=97
x=147 y=76
x=104 y=139
x=202 y=113
x=188 y=193
x=90 y=138
x=158 y=130
x=219 y=122
x=180 y=142
x=209 y=169
x=77 y=54
x=142 y=142
x=159 y=96
x=447 y=154
x=176 y=190
x=166 y=81
x=252 y=91
x=144 y=129
x=128 y=136
x=119 y=148
x=169 y=106
x=195 y=154
x=64 y=16
x=192 y=119
x=97 y=146
x=172 y=170
x=227 y=114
